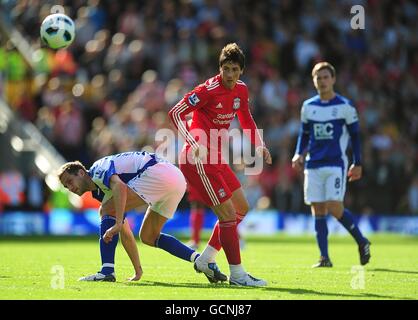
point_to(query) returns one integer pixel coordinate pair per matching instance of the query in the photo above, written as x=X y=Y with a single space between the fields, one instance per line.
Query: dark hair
x=70 y=168
x=232 y=53
x=323 y=65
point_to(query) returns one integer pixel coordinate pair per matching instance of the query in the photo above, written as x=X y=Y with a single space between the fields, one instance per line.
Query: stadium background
x=132 y=61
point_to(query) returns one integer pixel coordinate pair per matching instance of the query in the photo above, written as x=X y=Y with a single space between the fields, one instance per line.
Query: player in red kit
x=197 y=219
x=211 y=181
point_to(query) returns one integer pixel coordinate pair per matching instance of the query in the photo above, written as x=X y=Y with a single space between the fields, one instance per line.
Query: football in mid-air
x=57 y=31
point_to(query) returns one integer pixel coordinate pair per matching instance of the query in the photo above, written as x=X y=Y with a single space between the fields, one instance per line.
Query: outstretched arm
x=129 y=243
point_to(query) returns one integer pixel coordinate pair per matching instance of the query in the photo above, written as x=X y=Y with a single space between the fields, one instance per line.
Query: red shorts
x=210 y=184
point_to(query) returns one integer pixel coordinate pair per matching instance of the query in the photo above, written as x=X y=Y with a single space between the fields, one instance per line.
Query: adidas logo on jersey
x=219 y=106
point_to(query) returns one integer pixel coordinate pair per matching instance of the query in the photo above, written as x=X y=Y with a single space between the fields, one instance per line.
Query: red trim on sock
x=240 y=217
x=214 y=240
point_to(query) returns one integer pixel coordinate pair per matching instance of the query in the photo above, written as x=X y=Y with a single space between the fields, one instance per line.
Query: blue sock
x=348 y=222
x=321 y=229
x=107 y=250
x=175 y=247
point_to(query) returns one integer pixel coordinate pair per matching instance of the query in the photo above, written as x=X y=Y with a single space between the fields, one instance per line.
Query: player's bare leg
x=151 y=227
x=336 y=209
x=240 y=202
x=151 y=235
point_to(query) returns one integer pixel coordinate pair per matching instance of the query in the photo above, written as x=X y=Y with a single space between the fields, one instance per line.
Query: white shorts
x=161 y=186
x=324 y=184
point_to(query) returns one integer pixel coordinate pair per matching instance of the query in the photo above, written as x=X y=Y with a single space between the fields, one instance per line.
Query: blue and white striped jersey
x=127 y=166
x=329 y=125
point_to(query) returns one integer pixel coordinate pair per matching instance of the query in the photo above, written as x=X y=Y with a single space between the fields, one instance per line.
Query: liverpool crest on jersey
x=222 y=193
x=236 y=104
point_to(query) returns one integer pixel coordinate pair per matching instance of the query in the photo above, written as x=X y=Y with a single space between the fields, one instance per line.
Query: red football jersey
x=214 y=107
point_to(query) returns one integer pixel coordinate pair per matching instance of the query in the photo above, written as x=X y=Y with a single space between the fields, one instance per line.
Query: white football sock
x=193 y=256
x=237 y=271
x=209 y=254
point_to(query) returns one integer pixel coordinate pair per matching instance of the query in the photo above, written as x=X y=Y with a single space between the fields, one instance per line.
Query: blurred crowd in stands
x=132 y=61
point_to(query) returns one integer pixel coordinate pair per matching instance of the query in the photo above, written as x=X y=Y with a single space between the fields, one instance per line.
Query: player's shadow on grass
x=295 y=291
x=395 y=271
x=172 y=285
x=319 y=293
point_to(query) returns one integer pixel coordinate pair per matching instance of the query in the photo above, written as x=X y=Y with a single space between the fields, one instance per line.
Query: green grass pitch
x=29 y=271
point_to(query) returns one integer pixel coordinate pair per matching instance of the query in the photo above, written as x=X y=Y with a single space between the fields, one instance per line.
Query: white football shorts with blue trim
x=161 y=186
x=324 y=184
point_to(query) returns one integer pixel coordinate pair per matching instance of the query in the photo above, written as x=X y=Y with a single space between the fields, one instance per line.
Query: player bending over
x=123 y=182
